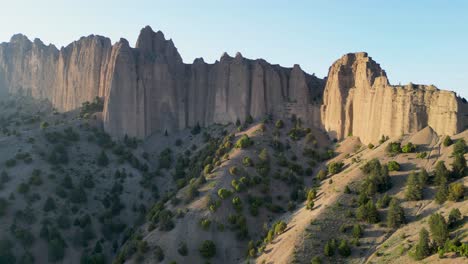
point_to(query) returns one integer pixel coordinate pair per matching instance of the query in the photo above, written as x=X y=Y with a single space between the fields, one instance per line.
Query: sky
x=419 y=41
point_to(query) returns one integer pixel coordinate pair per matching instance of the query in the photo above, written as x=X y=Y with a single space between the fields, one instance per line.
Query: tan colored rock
x=149 y=89
x=359 y=101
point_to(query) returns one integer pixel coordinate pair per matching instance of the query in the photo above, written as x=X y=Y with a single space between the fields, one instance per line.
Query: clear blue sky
x=418 y=41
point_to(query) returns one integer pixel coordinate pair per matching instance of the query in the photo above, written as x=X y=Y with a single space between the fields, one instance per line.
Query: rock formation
x=151 y=89
x=148 y=89
x=359 y=101
x=67 y=77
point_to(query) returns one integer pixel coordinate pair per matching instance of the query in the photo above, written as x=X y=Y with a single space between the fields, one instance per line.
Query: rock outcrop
x=359 y=101
x=148 y=89
x=67 y=77
x=151 y=89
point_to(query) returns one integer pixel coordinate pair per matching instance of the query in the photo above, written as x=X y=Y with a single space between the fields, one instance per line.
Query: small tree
x=329 y=249
x=454 y=217
x=243 y=142
x=447 y=141
x=335 y=167
x=456 y=191
x=393 y=166
x=344 y=249
x=322 y=175
x=49 y=204
x=279 y=124
x=395 y=215
x=442 y=193
x=459 y=166
x=439 y=229
x=422 y=249
x=102 y=159
x=208 y=249
x=368 y=212
x=413 y=190
x=441 y=173
x=357 y=231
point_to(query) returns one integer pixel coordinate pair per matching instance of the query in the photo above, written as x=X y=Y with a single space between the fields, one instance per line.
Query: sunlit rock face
x=359 y=101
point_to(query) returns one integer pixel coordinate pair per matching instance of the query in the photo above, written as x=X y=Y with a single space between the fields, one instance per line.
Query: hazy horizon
x=420 y=42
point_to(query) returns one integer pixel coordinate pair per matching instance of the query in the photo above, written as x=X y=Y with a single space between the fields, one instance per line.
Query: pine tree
x=413 y=190
x=423 y=176
x=422 y=248
x=454 y=217
x=439 y=229
x=344 y=249
x=395 y=215
x=459 y=166
x=103 y=160
x=442 y=192
x=329 y=249
x=441 y=173
x=357 y=231
x=49 y=204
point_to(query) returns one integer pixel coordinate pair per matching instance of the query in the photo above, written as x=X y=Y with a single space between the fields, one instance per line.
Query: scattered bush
x=393 y=166
x=447 y=141
x=224 y=193
x=456 y=191
x=344 y=249
x=279 y=124
x=408 y=148
x=335 y=167
x=208 y=249
x=243 y=142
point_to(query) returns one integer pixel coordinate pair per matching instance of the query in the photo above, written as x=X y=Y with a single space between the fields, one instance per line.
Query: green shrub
x=3 y=206
x=456 y=191
x=237 y=204
x=321 y=175
x=243 y=142
x=344 y=249
x=224 y=193
x=357 y=231
x=370 y=146
x=368 y=212
x=279 y=227
x=102 y=159
x=247 y=161
x=233 y=170
x=421 y=155
x=393 y=148
x=393 y=166
x=447 y=141
x=208 y=169
x=182 y=249
x=335 y=167
x=408 y=148
x=279 y=124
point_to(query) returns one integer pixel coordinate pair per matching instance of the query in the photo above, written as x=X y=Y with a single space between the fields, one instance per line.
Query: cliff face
x=151 y=89
x=148 y=89
x=359 y=100
x=67 y=77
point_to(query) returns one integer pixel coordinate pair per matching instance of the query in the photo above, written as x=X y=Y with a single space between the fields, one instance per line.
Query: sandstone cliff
x=359 y=101
x=67 y=77
x=148 y=89
x=153 y=90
